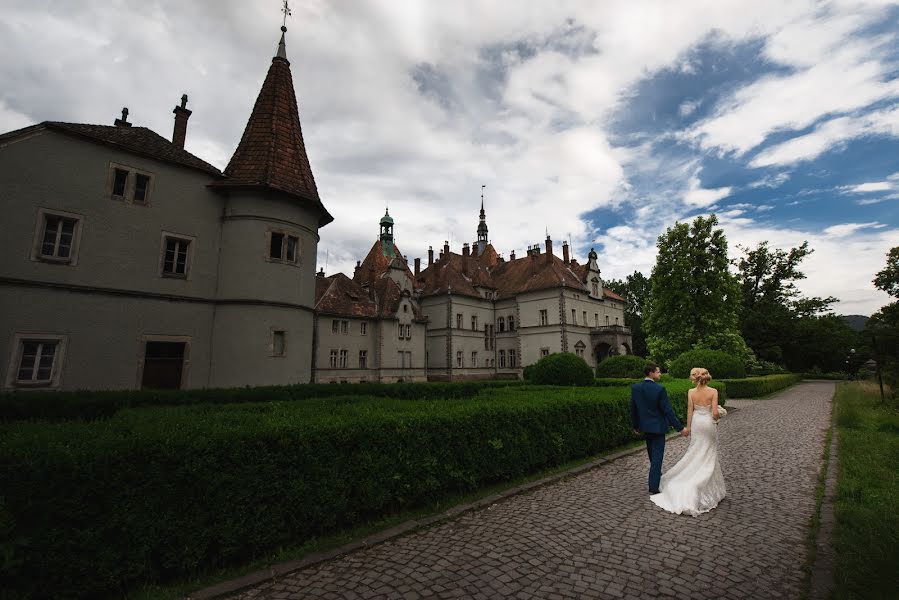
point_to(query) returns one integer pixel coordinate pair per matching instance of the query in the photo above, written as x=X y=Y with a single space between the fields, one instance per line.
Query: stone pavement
x=597 y=535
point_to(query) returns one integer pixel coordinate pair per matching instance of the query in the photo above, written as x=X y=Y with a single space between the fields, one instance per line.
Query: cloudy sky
x=599 y=122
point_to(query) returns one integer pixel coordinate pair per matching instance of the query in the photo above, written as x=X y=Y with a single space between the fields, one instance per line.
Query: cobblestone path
x=597 y=535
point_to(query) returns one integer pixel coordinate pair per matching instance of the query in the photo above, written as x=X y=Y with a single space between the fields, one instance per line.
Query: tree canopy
x=695 y=299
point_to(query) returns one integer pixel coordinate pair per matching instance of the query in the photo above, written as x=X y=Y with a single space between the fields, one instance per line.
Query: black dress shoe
x=654 y=492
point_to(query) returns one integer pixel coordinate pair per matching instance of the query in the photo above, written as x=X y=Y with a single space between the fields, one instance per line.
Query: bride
x=695 y=484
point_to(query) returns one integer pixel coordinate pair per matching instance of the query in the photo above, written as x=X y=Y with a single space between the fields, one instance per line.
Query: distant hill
x=856 y=322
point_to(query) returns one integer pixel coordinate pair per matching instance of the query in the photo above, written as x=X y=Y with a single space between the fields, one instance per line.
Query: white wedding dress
x=695 y=485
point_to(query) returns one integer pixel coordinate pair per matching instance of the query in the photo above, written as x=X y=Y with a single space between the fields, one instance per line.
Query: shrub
x=562 y=368
x=720 y=364
x=528 y=373
x=60 y=406
x=92 y=509
x=628 y=365
x=754 y=387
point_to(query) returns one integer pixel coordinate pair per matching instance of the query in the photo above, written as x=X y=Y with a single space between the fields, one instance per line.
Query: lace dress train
x=695 y=485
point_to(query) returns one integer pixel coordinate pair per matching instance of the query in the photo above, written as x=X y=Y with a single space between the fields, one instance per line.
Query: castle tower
x=482 y=228
x=272 y=214
x=386 y=236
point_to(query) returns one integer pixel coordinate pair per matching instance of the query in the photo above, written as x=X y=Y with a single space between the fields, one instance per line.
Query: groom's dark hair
x=649 y=368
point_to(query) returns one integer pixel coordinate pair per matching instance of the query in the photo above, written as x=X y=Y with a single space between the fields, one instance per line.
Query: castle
x=132 y=263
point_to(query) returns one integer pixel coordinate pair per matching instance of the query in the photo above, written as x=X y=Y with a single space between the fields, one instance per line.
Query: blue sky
x=602 y=123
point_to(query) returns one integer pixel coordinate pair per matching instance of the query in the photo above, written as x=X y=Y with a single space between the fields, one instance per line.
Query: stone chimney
x=512 y=255
x=549 y=250
x=430 y=255
x=181 y=116
x=321 y=273
x=446 y=248
x=565 y=256
x=417 y=266
x=123 y=122
x=465 y=249
x=356 y=270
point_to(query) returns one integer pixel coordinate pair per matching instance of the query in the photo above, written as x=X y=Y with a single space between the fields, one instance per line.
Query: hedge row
x=837 y=376
x=754 y=387
x=56 y=406
x=93 y=509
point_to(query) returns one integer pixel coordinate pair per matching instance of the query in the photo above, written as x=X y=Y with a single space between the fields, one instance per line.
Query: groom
x=651 y=413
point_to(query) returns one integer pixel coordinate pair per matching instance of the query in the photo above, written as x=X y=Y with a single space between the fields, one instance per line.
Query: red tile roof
x=271 y=153
x=376 y=264
x=137 y=140
x=462 y=275
x=341 y=296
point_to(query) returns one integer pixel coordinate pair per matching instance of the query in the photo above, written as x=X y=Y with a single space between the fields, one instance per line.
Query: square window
x=174 y=262
x=276 y=245
x=119 y=182
x=544 y=352
x=278 y=343
x=141 y=188
x=36 y=362
x=58 y=237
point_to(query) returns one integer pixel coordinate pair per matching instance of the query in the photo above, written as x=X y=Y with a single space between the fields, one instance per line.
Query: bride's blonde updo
x=700 y=375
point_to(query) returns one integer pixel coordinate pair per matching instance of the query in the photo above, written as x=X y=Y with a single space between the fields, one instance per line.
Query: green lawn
x=866 y=538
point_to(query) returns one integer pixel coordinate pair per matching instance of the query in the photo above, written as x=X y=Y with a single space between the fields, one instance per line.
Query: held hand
x=685 y=432
x=637 y=431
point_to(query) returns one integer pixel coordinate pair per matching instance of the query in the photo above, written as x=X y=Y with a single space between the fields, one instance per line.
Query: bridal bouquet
x=721 y=411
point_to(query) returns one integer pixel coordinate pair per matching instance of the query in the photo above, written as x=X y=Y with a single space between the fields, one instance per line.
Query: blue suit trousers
x=655 y=447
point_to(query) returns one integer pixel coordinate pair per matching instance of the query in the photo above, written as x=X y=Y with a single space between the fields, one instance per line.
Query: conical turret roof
x=271 y=153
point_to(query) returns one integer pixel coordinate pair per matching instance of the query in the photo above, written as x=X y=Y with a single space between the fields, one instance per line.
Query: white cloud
x=864 y=188
x=688 y=107
x=828 y=135
x=701 y=197
x=845 y=229
x=869 y=201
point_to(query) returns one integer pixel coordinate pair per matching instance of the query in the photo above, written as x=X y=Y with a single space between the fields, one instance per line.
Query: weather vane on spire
x=286 y=10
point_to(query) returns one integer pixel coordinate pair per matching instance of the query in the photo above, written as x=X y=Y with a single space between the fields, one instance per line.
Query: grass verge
x=866 y=536
x=323 y=544
x=811 y=537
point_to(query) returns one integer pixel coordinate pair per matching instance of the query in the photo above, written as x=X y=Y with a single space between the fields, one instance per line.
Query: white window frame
x=335 y=326
x=15 y=359
x=459 y=319
x=332 y=359
x=474 y=360
x=511 y=322
x=460 y=359
x=363 y=359
x=408 y=331
x=188 y=261
x=363 y=328
x=544 y=352
x=512 y=359
x=344 y=358
x=544 y=317
x=344 y=327
x=502 y=359
x=41 y=221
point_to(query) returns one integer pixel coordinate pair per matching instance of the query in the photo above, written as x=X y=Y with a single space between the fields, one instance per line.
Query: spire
x=386 y=236
x=482 y=227
x=271 y=154
x=282 y=49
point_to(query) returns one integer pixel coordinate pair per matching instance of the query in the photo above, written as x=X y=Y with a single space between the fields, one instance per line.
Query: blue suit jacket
x=651 y=410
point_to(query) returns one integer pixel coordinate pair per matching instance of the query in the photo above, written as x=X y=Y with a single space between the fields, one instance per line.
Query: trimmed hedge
x=754 y=387
x=562 y=368
x=93 y=509
x=830 y=376
x=627 y=366
x=720 y=364
x=56 y=406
